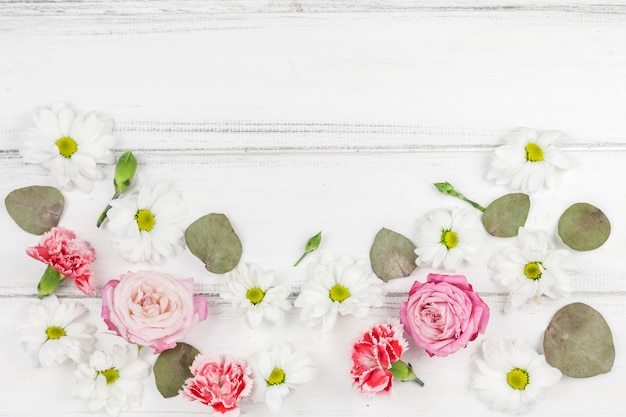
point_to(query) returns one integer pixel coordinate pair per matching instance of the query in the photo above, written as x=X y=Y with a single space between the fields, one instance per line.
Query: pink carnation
x=444 y=314
x=373 y=355
x=219 y=382
x=68 y=255
x=151 y=308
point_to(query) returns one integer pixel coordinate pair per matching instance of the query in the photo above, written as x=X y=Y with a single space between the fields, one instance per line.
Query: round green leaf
x=392 y=255
x=36 y=209
x=504 y=216
x=584 y=227
x=578 y=342
x=171 y=368
x=212 y=239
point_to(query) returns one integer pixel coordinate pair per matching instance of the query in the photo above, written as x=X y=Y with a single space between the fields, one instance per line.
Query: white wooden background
x=297 y=116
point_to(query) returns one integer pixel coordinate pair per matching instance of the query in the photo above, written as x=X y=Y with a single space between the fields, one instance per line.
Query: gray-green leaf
x=36 y=209
x=584 y=227
x=505 y=215
x=171 y=368
x=578 y=342
x=212 y=239
x=392 y=255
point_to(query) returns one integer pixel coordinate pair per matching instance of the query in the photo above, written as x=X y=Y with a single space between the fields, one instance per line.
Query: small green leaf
x=212 y=239
x=505 y=215
x=171 y=368
x=36 y=209
x=584 y=227
x=392 y=255
x=578 y=342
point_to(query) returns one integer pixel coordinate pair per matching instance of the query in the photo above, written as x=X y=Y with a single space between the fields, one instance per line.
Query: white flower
x=69 y=145
x=279 y=370
x=250 y=288
x=55 y=332
x=511 y=376
x=343 y=286
x=148 y=225
x=447 y=237
x=531 y=269
x=529 y=160
x=112 y=382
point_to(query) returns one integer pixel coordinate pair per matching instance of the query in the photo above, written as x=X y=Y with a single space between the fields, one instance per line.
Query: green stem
x=103 y=215
x=448 y=189
x=301 y=258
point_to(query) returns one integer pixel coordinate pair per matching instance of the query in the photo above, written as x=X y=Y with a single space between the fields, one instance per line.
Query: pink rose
x=444 y=314
x=151 y=308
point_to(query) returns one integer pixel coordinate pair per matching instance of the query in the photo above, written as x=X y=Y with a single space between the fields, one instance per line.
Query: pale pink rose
x=444 y=314
x=151 y=308
x=68 y=255
x=219 y=382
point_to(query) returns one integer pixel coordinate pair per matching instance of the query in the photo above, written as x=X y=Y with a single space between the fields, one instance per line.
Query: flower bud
x=124 y=171
x=49 y=282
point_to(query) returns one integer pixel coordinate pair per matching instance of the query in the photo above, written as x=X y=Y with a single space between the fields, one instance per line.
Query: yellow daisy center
x=532 y=270
x=255 y=295
x=67 y=146
x=111 y=375
x=449 y=239
x=277 y=377
x=517 y=379
x=534 y=153
x=55 y=332
x=144 y=219
x=339 y=293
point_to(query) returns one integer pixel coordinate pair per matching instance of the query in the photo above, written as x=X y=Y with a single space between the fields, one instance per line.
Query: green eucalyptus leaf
x=505 y=215
x=212 y=239
x=584 y=227
x=36 y=209
x=171 y=368
x=392 y=255
x=578 y=342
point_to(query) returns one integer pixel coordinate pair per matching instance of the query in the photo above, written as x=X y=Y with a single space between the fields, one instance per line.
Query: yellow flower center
x=255 y=295
x=277 y=377
x=144 y=219
x=111 y=375
x=532 y=270
x=534 y=153
x=67 y=146
x=517 y=379
x=449 y=239
x=55 y=332
x=339 y=293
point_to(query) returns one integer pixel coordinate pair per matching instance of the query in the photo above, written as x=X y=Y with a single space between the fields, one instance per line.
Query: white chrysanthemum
x=148 y=225
x=511 y=376
x=69 y=145
x=55 y=333
x=344 y=286
x=446 y=237
x=529 y=160
x=114 y=381
x=531 y=269
x=250 y=288
x=277 y=371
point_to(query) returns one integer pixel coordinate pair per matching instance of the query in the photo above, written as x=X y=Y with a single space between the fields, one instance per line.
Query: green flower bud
x=124 y=171
x=49 y=282
x=312 y=244
x=404 y=372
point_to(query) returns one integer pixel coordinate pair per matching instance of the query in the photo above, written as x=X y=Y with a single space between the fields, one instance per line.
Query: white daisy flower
x=529 y=160
x=250 y=288
x=277 y=371
x=511 y=376
x=344 y=286
x=69 y=145
x=531 y=269
x=148 y=225
x=446 y=237
x=55 y=333
x=113 y=381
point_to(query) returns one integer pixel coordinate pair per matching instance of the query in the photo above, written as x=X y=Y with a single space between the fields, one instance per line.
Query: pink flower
x=151 y=308
x=444 y=314
x=373 y=355
x=218 y=382
x=68 y=255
